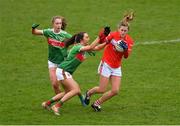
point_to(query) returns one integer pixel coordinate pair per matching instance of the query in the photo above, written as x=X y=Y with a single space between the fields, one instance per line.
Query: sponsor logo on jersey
x=54 y=42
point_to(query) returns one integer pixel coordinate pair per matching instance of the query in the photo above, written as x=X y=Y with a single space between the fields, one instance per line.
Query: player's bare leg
x=73 y=88
x=115 y=81
x=53 y=79
x=98 y=89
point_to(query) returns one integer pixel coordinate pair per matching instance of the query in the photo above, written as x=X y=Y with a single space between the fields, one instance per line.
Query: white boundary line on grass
x=157 y=42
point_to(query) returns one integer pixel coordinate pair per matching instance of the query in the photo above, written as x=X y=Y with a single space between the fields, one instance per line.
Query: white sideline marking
x=157 y=42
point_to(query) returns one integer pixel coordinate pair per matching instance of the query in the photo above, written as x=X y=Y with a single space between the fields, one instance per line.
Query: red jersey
x=111 y=56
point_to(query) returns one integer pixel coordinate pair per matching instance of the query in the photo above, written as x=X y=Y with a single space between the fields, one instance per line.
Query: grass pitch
x=150 y=90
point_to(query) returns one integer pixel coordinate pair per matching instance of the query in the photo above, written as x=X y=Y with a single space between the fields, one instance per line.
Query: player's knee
x=101 y=90
x=53 y=82
x=77 y=90
x=55 y=85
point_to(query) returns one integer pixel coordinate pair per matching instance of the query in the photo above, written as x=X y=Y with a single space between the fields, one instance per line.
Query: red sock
x=59 y=104
x=48 y=102
x=97 y=103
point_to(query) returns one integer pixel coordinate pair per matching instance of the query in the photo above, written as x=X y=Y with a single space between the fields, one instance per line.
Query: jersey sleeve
x=68 y=35
x=109 y=37
x=46 y=32
x=77 y=48
x=130 y=45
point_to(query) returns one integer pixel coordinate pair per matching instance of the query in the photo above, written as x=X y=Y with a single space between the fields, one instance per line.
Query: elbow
x=91 y=47
x=95 y=49
x=36 y=32
x=33 y=31
x=125 y=56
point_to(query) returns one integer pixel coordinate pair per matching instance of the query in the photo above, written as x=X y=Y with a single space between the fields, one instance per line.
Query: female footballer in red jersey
x=110 y=65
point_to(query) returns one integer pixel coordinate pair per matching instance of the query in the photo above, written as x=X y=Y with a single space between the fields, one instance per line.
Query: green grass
x=150 y=90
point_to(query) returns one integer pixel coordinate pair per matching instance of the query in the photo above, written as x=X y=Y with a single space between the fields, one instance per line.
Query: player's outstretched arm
x=126 y=54
x=91 y=46
x=36 y=31
x=99 y=47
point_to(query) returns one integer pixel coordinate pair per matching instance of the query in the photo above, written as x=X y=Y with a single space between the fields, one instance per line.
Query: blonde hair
x=64 y=23
x=128 y=16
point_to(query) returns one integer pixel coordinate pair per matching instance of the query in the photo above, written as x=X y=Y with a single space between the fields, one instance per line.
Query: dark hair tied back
x=74 y=39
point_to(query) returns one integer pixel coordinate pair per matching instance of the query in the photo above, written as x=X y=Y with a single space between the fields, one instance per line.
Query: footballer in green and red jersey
x=57 y=51
x=74 y=59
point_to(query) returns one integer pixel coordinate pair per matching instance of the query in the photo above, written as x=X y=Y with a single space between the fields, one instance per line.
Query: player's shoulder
x=129 y=38
x=114 y=33
x=48 y=30
x=63 y=32
x=76 y=47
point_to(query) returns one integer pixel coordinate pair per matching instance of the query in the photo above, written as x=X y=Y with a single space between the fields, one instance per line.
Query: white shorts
x=105 y=70
x=62 y=75
x=51 y=64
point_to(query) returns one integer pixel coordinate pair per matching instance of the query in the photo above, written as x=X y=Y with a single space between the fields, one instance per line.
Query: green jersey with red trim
x=57 y=51
x=74 y=59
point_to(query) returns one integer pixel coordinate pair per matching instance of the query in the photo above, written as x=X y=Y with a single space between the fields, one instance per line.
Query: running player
x=110 y=65
x=57 y=52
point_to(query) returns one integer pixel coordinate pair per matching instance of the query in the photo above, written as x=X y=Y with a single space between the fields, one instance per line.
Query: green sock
x=61 y=102
x=81 y=98
x=52 y=100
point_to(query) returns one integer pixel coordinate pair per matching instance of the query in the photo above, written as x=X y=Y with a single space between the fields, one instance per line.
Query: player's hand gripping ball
x=121 y=46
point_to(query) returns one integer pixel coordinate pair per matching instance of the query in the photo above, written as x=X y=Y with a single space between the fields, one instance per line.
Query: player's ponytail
x=128 y=16
x=74 y=39
x=70 y=41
